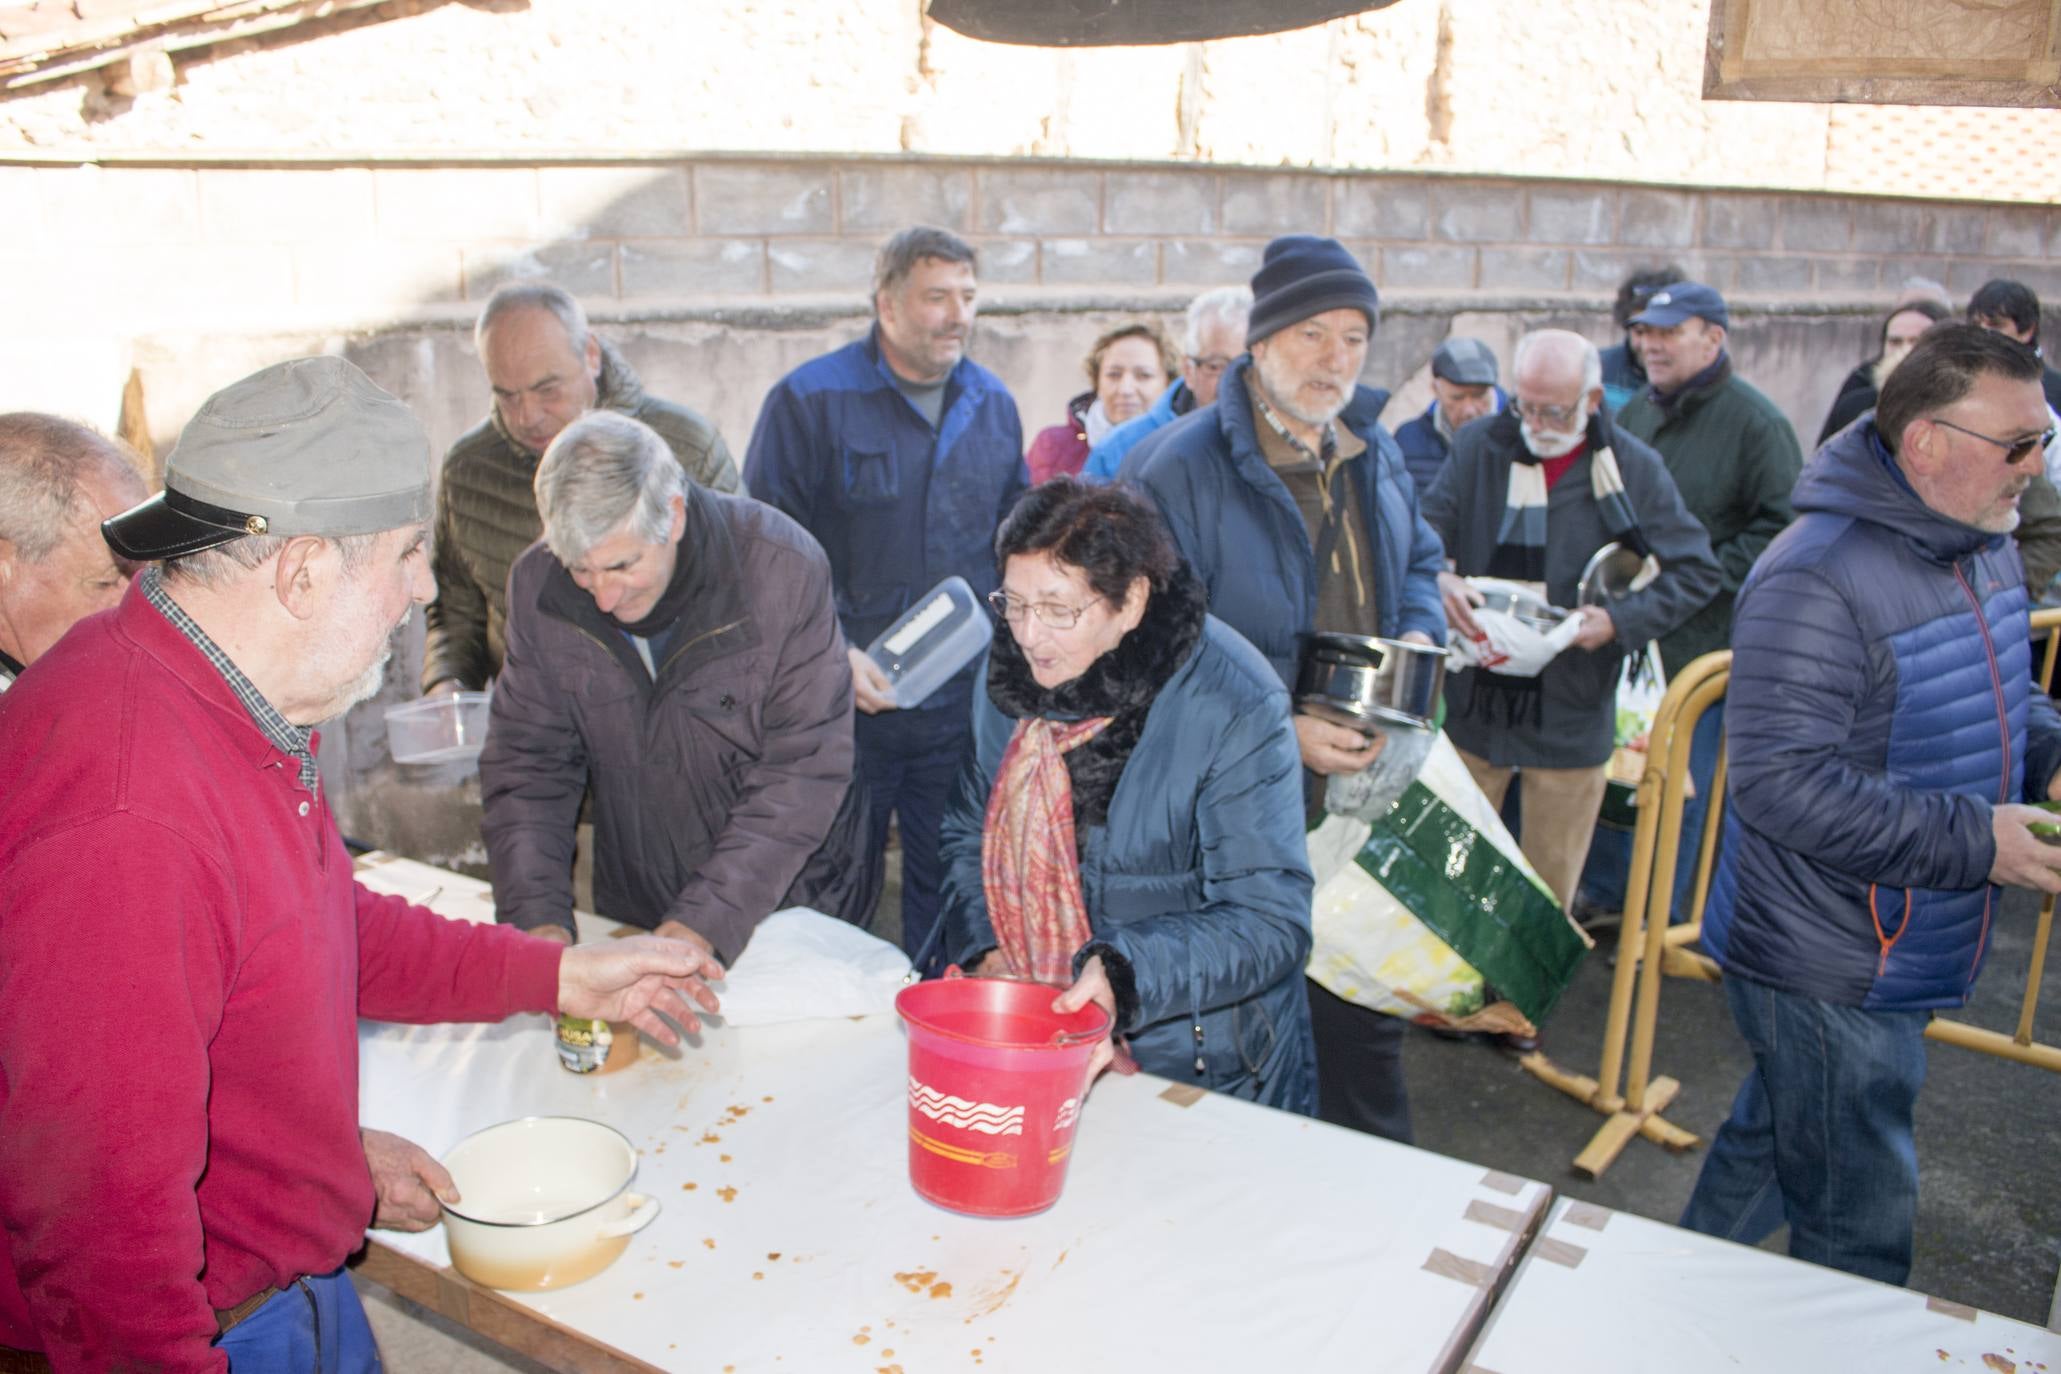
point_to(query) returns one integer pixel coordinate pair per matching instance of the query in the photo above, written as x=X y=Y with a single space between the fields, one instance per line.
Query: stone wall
x=731 y=270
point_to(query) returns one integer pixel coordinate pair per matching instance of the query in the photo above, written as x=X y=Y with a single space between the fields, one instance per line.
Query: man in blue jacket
x=1884 y=735
x=901 y=456
x=1292 y=505
x=1463 y=389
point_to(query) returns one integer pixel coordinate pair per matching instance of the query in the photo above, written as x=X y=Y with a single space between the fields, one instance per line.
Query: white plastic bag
x=1640 y=688
x=1508 y=646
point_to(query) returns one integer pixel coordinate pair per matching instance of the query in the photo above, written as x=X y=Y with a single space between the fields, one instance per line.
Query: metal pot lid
x=1614 y=572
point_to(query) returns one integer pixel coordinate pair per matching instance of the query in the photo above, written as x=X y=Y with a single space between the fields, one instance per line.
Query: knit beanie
x=1302 y=275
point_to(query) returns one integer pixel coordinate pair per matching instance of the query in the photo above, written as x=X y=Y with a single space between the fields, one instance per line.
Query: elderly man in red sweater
x=184 y=954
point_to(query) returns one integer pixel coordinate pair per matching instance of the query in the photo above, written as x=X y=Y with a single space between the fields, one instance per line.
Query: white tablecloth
x=1609 y=1293
x=1202 y=1234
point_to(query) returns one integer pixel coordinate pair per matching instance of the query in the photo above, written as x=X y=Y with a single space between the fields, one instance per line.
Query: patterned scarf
x=1520 y=552
x=1030 y=868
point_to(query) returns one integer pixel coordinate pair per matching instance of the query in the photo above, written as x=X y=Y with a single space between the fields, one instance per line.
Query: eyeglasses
x=2016 y=451
x=1050 y=614
x=1208 y=367
x=1552 y=415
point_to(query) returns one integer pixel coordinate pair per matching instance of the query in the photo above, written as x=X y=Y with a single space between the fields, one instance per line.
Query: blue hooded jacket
x=1241 y=531
x=1881 y=703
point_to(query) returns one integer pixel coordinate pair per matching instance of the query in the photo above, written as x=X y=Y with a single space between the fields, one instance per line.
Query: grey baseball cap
x=310 y=446
x=1464 y=362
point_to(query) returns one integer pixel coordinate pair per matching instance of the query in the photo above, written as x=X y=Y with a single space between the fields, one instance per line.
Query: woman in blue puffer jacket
x=1131 y=824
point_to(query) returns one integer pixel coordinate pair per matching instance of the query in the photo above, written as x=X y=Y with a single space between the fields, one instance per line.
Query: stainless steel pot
x=1368 y=683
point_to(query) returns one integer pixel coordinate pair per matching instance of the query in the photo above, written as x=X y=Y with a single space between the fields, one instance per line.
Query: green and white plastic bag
x=1432 y=913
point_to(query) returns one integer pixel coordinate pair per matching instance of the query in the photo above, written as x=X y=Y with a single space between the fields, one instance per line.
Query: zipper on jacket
x=1996 y=682
x=674 y=656
x=1887 y=942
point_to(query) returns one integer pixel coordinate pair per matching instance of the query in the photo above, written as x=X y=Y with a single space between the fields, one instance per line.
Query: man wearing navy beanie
x=1294 y=508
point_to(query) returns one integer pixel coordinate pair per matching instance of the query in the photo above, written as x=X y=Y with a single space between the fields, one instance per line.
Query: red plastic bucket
x=995 y=1085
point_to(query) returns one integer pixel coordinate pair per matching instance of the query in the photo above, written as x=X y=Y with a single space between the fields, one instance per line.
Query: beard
x=367 y=684
x=1552 y=443
x=1282 y=386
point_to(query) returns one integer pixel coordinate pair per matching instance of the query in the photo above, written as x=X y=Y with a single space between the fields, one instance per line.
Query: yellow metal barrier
x=1649 y=949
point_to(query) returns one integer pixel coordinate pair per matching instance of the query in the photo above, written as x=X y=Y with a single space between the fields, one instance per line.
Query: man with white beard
x=1528 y=496
x=1292 y=504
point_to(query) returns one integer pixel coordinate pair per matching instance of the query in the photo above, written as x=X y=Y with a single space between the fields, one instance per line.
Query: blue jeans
x=1608 y=871
x=313 y=1326
x=1820 y=1134
x=909 y=762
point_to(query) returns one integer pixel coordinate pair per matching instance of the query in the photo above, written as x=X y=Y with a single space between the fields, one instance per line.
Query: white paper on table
x=802 y=965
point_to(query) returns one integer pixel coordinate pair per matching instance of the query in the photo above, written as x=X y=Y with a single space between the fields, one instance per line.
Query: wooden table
x=1605 y=1292
x=1196 y=1232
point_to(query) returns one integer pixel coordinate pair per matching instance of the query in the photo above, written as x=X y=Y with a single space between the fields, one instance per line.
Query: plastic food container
x=943 y=632
x=438 y=729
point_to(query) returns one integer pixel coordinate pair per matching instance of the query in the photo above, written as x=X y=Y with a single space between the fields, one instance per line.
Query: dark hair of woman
x=1109 y=532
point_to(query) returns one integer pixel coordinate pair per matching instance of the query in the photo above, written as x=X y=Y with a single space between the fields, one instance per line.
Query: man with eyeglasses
x=1212 y=334
x=1734 y=457
x=2011 y=309
x=1292 y=504
x=1529 y=496
x=1885 y=737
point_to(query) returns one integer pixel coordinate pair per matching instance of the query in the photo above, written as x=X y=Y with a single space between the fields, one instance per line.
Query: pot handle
x=642 y=1211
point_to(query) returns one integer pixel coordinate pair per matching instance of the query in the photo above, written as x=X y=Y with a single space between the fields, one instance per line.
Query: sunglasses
x=2016 y=451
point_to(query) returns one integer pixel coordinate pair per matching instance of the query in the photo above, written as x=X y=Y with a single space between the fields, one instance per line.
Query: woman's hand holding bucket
x=1093 y=986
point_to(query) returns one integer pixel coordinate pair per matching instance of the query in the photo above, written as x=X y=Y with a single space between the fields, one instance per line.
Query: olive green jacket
x=2039 y=536
x=1734 y=458
x=487 y=515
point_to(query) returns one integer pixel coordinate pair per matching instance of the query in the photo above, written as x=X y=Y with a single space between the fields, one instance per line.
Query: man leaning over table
x=184 y=954
x=1883 y=737
x=677 y=651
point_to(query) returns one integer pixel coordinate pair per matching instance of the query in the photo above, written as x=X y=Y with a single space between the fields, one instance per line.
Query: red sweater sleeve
x=417 y=967
x=113 y=978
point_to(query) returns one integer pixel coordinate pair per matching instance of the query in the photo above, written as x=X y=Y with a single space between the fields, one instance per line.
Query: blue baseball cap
x=1681 y=300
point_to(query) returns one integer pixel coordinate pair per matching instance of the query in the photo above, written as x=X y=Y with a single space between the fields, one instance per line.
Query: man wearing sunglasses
x=1884 y=737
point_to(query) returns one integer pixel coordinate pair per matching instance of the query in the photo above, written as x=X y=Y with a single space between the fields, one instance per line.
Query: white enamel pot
x=543 y=1202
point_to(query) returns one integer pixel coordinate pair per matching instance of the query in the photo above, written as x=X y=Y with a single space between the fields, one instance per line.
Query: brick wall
x=366 y=245
x=183 y=266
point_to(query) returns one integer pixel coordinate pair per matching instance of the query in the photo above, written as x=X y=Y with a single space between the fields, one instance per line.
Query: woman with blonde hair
x=1127 y=369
